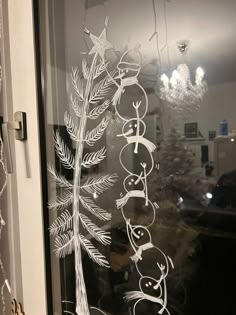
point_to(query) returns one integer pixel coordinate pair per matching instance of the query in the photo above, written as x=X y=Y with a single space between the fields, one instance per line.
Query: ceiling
x=208 y=25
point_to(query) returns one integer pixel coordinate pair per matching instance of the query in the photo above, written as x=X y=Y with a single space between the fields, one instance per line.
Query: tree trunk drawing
x=81 y=296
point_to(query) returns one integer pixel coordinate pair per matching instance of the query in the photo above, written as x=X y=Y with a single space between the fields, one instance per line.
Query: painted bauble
x=139 y=211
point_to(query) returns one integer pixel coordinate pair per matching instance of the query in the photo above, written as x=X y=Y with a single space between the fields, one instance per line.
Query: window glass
x=141 y=150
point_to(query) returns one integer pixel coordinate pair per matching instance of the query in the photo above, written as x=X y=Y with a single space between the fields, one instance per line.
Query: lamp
x=179 y=89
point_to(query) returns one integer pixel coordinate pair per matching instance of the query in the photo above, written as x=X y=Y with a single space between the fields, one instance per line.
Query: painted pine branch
x=98 y=110
x=64 y=244
x=71 y=127
x=60 y=180
x=93 y=252
x=95 y=231
x=99 y=184
x=77 y=83
x=61 y=202
x=100 y=90
x=94 y=158
x=96 y=133
x=99 y=69
x=63 y=152
x=94 y=113
x=91 y=207
x=75 y=104
x=61 y=224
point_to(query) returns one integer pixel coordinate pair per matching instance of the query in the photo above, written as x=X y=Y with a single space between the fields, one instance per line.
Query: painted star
x=100 y=44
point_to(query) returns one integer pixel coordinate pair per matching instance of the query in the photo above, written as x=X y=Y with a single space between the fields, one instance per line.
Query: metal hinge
x=19 y=125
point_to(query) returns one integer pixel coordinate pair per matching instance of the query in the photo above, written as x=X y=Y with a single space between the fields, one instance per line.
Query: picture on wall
x=191 y=130
x=211 y=135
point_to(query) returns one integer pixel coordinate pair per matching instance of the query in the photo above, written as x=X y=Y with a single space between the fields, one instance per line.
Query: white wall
x=219 y=103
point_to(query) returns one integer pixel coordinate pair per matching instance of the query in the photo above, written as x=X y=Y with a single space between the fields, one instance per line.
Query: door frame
x=40 y=78
x=30 y=262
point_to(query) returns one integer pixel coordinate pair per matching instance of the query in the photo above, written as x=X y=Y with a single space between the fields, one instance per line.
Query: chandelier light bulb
x=199 y=76
x=164 y=78
x=200 y=72
x=175 y=75
x=173 y=82
x=179 y=89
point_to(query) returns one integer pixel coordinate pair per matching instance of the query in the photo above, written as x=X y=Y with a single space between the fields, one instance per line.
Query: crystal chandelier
x=179 y=90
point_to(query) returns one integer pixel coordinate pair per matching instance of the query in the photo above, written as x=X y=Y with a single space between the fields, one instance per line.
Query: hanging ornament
x=95 y=195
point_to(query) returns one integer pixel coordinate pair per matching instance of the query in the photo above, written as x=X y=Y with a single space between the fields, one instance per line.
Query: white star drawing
x=100 y=44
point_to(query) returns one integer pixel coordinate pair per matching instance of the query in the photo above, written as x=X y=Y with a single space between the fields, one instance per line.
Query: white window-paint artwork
x=128 y=76
x=89 y=101
x=93 y=310
x=5 y=285
x=150 y=291
x=152 y=287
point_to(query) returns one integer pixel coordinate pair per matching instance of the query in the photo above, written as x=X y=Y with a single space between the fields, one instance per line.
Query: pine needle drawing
x=61 y=224
x=94 y=158
x=64 y=244
x=91 y=91
x=96 y=133
x=63 y=201
x=99 y=184
x=98 y=212
x=63 y=152
x=100 y=109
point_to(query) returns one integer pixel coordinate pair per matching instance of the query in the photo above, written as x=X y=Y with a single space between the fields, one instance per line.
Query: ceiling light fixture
x=179 y=89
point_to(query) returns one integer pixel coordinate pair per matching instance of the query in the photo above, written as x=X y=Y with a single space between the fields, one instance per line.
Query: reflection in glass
x=190 y=187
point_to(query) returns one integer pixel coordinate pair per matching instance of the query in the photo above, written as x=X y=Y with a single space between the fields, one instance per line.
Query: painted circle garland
x=146 y=251
x=148 y=217
x=143 y=168
x=151 y=290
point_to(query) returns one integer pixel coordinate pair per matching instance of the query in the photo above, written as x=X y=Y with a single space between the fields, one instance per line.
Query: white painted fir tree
x=89 y=102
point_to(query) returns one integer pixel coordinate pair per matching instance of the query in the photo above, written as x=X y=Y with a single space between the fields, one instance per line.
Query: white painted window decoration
x=66 y=228
x=89 y=101
x=135 y=186
x=5 y=284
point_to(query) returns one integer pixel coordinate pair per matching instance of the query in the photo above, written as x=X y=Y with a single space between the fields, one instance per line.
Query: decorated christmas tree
x=174 y=177
x=176 y=159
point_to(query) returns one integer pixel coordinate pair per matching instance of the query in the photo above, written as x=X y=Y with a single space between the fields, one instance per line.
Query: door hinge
x=19 y=125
